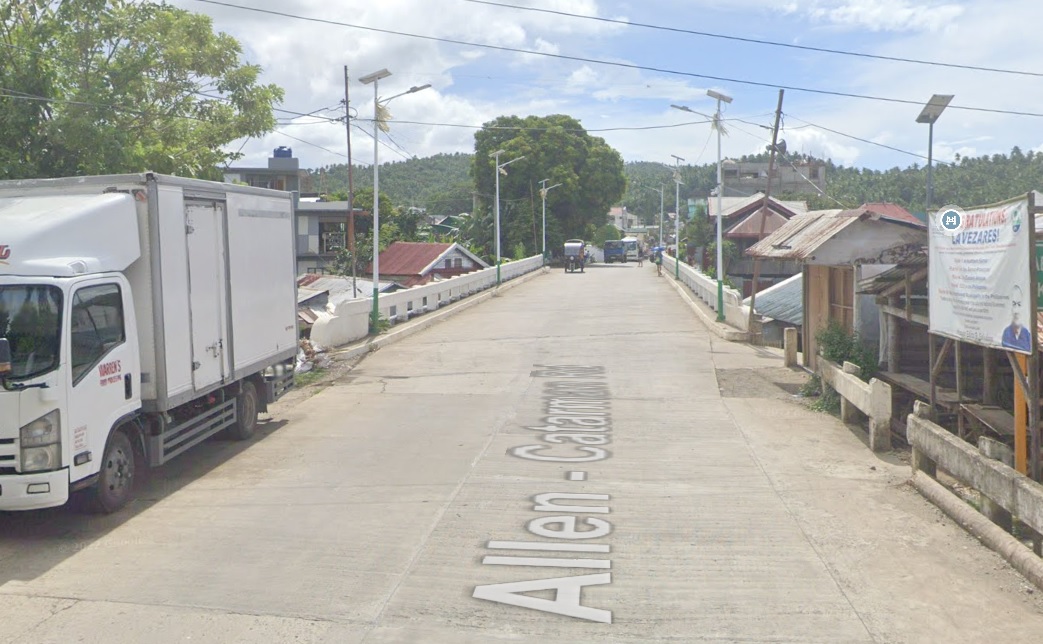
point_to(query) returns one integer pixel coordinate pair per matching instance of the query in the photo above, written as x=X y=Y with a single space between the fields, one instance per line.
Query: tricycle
x=574 y=251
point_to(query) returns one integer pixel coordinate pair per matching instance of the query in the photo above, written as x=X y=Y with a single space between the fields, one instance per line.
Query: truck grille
x=8 y=455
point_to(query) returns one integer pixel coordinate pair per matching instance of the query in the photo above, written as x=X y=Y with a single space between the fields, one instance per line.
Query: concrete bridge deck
x=577 y=460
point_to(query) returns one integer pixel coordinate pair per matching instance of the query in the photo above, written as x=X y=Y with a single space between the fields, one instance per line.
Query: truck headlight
x=40 y=441
x=41 y=459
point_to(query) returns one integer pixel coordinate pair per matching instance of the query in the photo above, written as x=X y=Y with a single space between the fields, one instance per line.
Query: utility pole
x=764 y=207
x=351 y=190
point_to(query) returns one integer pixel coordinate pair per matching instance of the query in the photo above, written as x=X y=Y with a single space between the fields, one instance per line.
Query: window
x=448 y=263
x=97 y=326
x=458 y=263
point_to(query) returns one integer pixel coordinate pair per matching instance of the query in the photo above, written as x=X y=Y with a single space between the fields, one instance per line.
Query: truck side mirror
x=5 y=357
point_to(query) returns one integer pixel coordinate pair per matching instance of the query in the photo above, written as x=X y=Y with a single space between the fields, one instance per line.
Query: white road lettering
x=539 y=527
x=544 y=545
x=577 y=416
x=567 y=598
x=544 y=503
x=547 y=562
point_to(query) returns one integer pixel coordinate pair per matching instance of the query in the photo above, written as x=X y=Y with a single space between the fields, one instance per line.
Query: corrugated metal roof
x=410 y=258
x=802 y=235
x=783 y=301
x=883 y=281
x=751 y=226
x=731 y=206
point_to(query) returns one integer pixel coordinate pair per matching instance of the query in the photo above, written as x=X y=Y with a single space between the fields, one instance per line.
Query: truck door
x=104 y=376
x=207 y=297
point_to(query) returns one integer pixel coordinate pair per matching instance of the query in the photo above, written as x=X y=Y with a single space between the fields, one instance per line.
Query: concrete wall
x=872 y=398
x=350 y=320
x=735 y=313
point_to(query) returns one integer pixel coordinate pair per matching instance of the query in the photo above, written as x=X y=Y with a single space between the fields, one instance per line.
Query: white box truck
x=139 y=315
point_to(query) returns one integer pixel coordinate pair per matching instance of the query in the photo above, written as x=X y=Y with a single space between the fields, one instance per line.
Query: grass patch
x=812 y=387
x=828 y=402
x=308 y=378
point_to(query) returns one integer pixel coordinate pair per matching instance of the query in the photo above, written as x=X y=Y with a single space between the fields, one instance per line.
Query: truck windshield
x=30 y=319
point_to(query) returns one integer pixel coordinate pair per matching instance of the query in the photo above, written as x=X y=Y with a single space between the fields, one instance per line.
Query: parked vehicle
x=139 y=315
x=574 y=255
x=615 y=251
x=632 y=248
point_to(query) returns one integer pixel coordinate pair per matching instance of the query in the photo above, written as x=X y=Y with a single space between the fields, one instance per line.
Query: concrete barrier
x=789 y=345
x=705 y=289
x=872 y=398
x=350 y=320
x=934 y=446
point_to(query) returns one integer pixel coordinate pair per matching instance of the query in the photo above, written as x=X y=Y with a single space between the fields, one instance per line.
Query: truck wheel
x=117 y=479
x=245 y=413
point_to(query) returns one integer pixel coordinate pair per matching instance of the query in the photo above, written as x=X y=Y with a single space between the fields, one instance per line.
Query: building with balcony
x=323 y=229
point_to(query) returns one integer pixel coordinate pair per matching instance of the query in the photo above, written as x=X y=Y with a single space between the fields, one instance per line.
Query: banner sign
x=979 y=275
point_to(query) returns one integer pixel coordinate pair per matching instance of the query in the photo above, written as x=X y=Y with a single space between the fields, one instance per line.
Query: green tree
x=102 y=86
x=557 y=148
x=603 y=234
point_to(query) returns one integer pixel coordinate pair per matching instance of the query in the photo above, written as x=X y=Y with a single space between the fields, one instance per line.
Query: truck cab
x=69 y=368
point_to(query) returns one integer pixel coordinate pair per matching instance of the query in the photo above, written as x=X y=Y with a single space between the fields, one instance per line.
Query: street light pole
x=677 y=215
x=929 y=115
x=720 y=191
x=543 y=193
x=500 y=168
x=374 y=78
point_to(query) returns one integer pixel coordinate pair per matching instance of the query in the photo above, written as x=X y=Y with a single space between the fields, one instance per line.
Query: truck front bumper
x=34 y=491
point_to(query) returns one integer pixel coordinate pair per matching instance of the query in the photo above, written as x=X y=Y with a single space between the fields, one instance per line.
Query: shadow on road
x=34 y=542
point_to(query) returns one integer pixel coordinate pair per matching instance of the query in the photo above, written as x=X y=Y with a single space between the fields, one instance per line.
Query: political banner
x=979 y=275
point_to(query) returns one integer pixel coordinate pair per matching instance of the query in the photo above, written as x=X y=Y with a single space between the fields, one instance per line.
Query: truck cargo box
x=211 y=266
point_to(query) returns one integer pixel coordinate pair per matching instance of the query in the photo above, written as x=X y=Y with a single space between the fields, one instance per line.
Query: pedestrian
x=659 y=262
x=640 y=257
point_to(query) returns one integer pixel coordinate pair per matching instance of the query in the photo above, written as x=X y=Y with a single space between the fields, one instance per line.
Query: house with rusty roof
x=745 y=220
x=835 y=250
x=416 y=263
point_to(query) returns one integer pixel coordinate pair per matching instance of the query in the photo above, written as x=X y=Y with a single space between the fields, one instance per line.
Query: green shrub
x=839 y=345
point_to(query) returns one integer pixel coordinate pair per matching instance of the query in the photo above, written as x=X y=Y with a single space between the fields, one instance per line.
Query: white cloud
x=886 y=15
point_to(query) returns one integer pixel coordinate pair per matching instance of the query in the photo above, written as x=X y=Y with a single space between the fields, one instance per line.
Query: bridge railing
x=349 y=321
x=736 y=314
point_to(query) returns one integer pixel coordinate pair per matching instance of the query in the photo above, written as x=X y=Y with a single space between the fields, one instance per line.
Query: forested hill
x=970 y=181
x=442 y=183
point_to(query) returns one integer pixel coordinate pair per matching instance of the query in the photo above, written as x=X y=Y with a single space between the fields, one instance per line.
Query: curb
x=709 y=319
x=1013 y=551
x=400 y=332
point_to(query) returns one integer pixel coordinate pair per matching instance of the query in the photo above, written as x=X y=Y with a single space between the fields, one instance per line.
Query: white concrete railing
x=872 y=398
x=350 y=320
x=735 y=313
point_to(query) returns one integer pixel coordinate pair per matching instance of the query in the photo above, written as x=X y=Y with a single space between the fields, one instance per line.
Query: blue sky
x=473 y=85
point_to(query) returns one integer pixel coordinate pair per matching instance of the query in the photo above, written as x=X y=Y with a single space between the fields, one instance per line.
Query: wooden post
x=930 y=360
x=1020 y=417
x=892 y=342
x=988 y=393
x=764 y=210
x=959 y=389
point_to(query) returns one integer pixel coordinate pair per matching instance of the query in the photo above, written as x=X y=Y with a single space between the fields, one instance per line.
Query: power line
x=860 y=139
x=757 y=41
x=520 y=128
x=595 y=61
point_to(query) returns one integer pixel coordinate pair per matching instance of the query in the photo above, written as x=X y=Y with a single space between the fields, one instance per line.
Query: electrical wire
x=595 y=61
x=758 y=41
x=860 y=139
